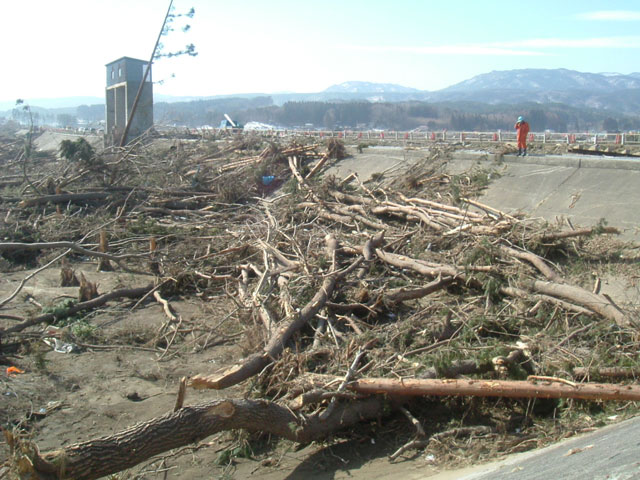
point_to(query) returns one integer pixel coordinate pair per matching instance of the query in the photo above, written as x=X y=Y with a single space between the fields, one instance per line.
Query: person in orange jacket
x=523 y=130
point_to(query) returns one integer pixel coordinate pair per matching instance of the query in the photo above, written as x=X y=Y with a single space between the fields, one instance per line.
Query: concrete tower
x=123 y=81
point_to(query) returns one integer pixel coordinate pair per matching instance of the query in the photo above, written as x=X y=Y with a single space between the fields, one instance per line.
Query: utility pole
x=123 y=140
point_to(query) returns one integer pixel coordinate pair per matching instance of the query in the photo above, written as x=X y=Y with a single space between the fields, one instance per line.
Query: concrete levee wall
x=586 y=191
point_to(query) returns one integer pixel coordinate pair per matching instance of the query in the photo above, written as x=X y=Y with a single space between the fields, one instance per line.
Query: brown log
x=593 y=302
x=609 y=372
x=404 y=294
x=369 y=245
x=317 y=166
x=494 y=229
x=496 y=388
x=460 y=213
x=353 y=199
x=489 y=209
x=519 y=293
x=334 y=217
x=420 y=266
x=64 y=198
x=107 y=455
x=597 y=303
x=411 y=213
x=361 y=218
x=535 y=260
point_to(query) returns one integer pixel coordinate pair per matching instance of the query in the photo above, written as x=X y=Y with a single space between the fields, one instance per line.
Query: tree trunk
x=64 y=198
x=497 y=388
x=597 y=303
x=78 y=307
x=104 y=456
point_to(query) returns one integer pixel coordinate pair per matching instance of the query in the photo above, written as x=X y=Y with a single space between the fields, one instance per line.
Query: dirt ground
x=116 y=377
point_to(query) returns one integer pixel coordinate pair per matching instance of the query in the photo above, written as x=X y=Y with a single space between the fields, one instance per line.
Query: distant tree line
x=468 y=116
x=90 y=113
x=435 y=116
x=205 y=112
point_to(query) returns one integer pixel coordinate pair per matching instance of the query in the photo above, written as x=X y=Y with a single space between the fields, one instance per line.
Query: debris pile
x=355 y=300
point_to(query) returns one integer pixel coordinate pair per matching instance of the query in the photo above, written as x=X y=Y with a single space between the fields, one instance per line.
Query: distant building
x=123 y=81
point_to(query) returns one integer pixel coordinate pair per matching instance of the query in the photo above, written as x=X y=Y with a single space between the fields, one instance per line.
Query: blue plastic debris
x=267 y=179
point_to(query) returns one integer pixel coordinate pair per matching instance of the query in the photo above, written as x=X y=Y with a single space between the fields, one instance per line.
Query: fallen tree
x=106 y=455
x=79 y=307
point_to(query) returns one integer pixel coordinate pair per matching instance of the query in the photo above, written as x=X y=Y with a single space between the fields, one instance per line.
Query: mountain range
x=368 y=87
x=603 y=91
x=612 y=92
x=534 y=80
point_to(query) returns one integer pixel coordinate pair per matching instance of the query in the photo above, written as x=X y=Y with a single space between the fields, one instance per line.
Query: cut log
x=88 y=290
x=496 y=388
x=104 y=265
x=64 y=198
x=79 y=307
x=597 y=303
x=68 y=277
x=107 y=455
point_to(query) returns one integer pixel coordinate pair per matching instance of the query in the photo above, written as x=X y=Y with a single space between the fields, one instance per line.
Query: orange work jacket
x=523 y=130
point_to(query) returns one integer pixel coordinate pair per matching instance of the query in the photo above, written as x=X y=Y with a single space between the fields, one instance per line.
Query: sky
x=53 y=49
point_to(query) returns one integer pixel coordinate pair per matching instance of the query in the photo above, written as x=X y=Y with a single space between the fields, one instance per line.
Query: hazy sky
x=60 y=48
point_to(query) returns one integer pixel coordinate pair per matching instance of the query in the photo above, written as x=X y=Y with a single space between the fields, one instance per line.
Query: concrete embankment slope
x=578 y=188
x=582 y=189
x=609 y=453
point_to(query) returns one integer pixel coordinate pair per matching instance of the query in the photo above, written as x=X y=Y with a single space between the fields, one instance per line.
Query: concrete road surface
x=611 y=453
x=586 y=190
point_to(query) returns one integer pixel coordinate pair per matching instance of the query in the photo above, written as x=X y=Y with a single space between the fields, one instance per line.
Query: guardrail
x=450 y=136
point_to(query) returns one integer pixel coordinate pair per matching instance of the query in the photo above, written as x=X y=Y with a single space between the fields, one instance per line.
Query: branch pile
x=397 y=282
